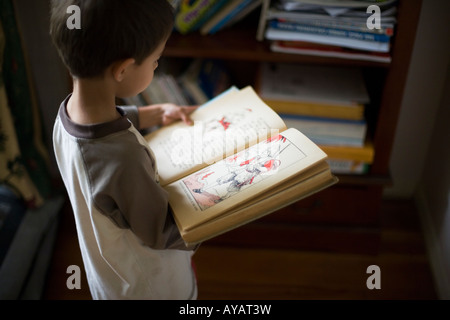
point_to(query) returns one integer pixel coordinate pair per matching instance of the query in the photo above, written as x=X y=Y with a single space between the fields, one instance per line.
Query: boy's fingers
x=185 y=117
x=185 y=112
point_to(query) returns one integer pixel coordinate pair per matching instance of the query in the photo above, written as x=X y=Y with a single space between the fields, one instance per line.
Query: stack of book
x=210 y=16
x=203 y=80
x=165 y=88
x=351 y=29
x=327 y=104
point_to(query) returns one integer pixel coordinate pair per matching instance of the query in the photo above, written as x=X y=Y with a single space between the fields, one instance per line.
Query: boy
x=130 y=245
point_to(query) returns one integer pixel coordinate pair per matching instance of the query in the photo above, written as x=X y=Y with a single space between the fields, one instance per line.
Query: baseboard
x=435 y=252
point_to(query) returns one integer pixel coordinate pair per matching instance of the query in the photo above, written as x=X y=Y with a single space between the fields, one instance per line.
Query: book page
x=225 y=126
x=224 y=185
x=260 y=207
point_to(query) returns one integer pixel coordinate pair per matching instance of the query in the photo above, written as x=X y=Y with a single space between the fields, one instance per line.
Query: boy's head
x=111 y=30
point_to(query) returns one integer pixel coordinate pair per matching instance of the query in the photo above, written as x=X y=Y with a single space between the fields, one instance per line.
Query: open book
x=237 y=163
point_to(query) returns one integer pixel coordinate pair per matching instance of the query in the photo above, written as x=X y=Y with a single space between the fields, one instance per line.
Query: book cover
x=326 y=31
x=275 y=34
x=319 y=50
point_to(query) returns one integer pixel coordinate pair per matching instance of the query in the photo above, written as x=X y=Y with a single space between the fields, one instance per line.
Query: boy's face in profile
x=140 y=76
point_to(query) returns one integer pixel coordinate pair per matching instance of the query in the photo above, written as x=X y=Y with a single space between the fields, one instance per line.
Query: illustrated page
x=222 y=128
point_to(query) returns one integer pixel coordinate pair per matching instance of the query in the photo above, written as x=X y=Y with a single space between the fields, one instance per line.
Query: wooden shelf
x=365 y=180
x=239 y=43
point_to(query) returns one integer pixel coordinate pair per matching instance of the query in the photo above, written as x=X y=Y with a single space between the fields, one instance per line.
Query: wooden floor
x=245 y=273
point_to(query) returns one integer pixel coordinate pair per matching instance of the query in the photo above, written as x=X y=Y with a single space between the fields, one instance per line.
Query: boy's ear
x=120 y=68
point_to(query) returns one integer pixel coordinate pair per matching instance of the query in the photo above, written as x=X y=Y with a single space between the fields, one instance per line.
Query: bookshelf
x=244 y=47
x=344 y=217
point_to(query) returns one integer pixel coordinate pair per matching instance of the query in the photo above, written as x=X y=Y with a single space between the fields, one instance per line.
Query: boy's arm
x=125 y=189
x=158 y=114
x=149 y=211
x=149 y=215
x=134 y=200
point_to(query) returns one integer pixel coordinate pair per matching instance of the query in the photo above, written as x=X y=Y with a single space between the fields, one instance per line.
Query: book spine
x=347 y=25
x=292 y=47
x=323 y=20
x=194 y=91
x=213 y=77
x=241 y=15
x=175 y=92
x=355 y=112
x=324 y=131
x=347 y=166
x=155 y=93
x=209 y=14
x=190 y=13
x=164 y=87
x=324 y=121
x=262 y=20
x=229 y=16
x=331 y=32
x=366 y=153
x=277 y=34
x=329 y=140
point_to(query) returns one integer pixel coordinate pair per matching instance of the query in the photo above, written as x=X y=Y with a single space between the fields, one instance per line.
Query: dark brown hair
x=111 y=30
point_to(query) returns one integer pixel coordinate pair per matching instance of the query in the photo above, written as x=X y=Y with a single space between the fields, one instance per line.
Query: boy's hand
x=164 y=114
x=172 y=112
